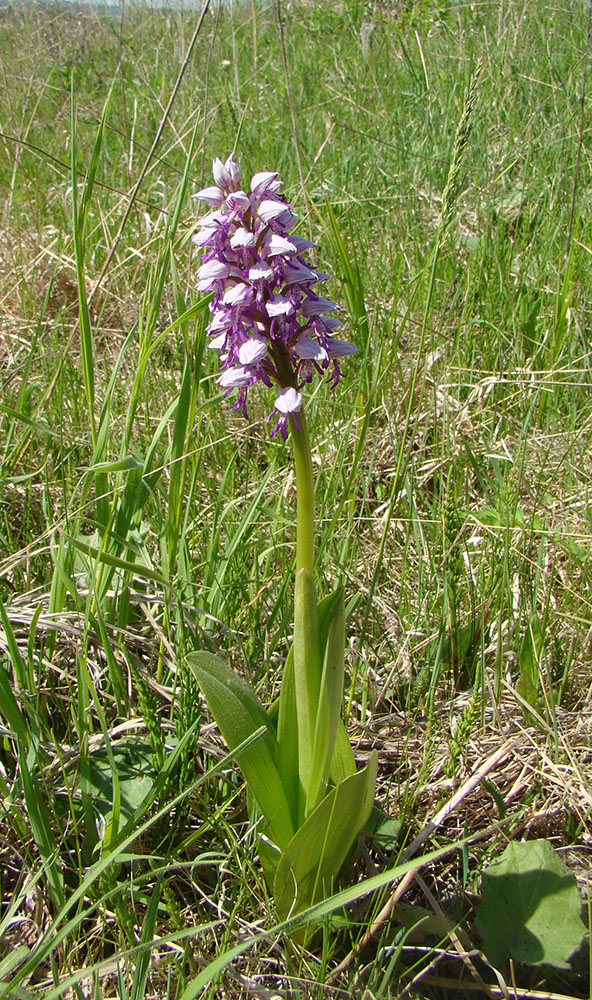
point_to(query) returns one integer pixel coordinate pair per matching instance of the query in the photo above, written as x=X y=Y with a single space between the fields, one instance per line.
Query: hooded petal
x=269 y=210
x=297 y=273
x=288 y=400
x=276 y=244
x=217 y=343
x=234 y=171
x=213 y=270
x=242 y=238
x=328 y=323
x=237 y=200
x=279 y=305
x=211 y=195
x=261 y=272
x=340 y=348
x=315 y=305
x=308 y=349
x=253 y=350
x=221 y=174
x=237 y=294
x=302 y=244
x=265 y=180
x=233 y=377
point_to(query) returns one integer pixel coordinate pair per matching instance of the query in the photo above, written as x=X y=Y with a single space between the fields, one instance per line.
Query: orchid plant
x=270 y=326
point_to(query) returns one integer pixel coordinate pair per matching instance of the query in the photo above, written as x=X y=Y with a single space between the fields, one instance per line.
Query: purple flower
x=267 y=323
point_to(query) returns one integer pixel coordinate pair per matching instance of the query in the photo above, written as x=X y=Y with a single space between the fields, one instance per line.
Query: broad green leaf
x=311 y=861
x=383 y=830
x=287 y=737
x=530 y=907
x=330 y=701
x=307 y=671
x=135 y=772
x=342 y=762
x=238 y=715
x=344 y=898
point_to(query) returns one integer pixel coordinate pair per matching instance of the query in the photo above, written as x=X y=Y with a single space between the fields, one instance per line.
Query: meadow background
x=140 y=519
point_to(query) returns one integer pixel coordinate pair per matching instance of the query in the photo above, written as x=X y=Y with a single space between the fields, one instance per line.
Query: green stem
x=304 y=494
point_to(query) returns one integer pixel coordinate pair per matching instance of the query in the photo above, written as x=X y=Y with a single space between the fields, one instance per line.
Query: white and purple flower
x=267 y=322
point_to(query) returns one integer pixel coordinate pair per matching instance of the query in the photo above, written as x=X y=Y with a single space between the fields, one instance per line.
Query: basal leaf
x=342 y=759
x=311 y=861
x=307 y=670
x=529 y=658
x=330 y=701
x=342 y=762
x=287 y=737
x=239 y=715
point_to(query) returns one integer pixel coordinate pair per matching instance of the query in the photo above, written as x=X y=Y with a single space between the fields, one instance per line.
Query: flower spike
x=267 y=323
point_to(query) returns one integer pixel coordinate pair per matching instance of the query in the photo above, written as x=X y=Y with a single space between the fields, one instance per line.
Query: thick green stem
x=304 y=494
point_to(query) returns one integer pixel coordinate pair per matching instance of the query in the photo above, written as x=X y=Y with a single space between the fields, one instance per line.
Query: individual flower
x=267 y=322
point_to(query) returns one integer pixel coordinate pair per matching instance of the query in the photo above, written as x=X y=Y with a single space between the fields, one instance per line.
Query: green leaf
x=239 y=715
x=38 y=818
x=10 y=710
x=125 y=565
x=135 y=773
x=13 y=960
x=287 y=737
x=344 y=898
x=142 y=963
x=311 y=861
x=530 y=907
x=342 y=762
x=330 y=700
x=125 y=464
x=342 y=759
x=529 y=659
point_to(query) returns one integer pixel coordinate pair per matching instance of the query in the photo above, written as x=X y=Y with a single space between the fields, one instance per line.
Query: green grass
x=140 y=519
